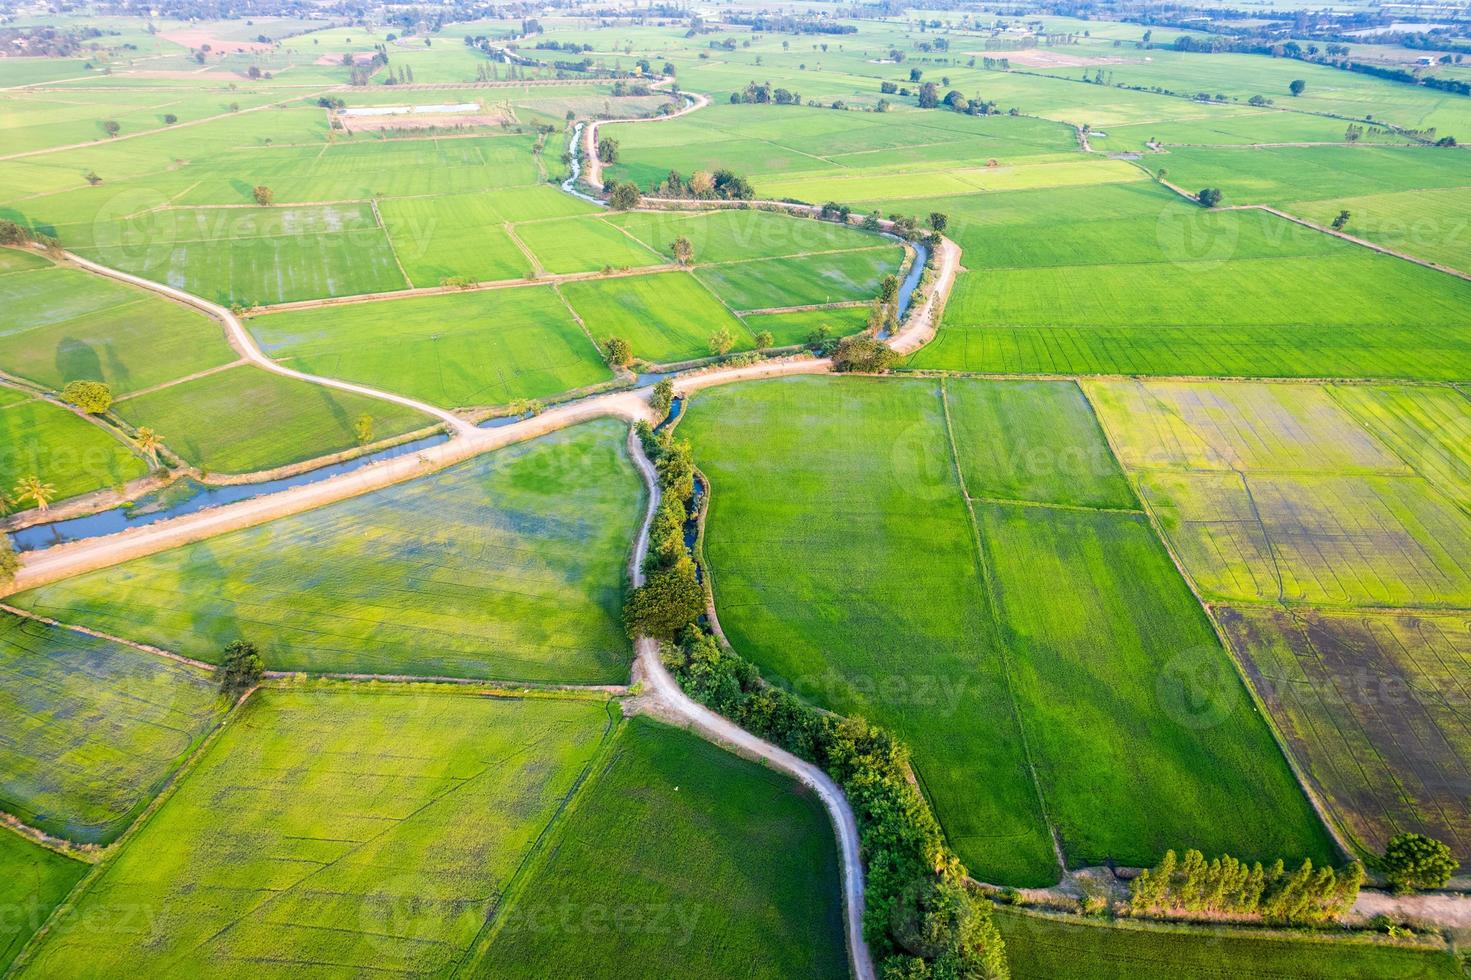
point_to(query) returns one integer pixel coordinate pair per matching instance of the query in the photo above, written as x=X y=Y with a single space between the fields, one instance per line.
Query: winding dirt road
x=662 y=697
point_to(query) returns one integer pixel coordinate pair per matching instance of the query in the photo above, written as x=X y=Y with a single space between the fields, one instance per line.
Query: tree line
x=1227 y=886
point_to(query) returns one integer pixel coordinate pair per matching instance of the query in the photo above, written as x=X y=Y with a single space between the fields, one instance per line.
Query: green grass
x=844 y=563
x=772 y=283
x=33 y=881
x=794 y=328
x=44 y=440
x=245 y=419
x=1367 y=701
x=334 y=831
x=459 y=349
x=1274 y=493
x=731 y=235
x=509 y=566
x=681 y=858
x=70 y=325
x=665 y=317
x=251 y=256
x=583 y=244
x=91 y=728
x=1040 y=947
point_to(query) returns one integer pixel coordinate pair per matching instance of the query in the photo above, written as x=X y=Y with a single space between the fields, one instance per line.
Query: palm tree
x=32 y=487
x=149 y=442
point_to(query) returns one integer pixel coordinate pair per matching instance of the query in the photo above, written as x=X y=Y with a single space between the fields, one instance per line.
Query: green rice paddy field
x=1040 y=947
x=456 y=349
x=685 y=855
x=33 y=881
x=54 y=444
x=906 y=600
x=508 y=566
x=91 y=729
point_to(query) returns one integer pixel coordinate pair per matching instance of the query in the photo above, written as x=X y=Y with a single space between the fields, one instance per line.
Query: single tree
x=721 y=341
x=1414 y=861
x=624 y=196
x=702 y=183
x=91 y=178
x=1297 y=86
x=149 y=443
x=888 y=288
x=608 y=150
x=241 y=669
x=939 y=220
x=169 y=118
x=32 y=488
x=617 y=352
x=1341 y=220
x=662 y=398
x=1209 y=197
x=363 y=427
x=684 y=252
x=92 y=397
x=764 y=339
x=111 y=127
x=264 y=196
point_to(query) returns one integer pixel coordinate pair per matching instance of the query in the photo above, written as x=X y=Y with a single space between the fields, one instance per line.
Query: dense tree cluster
x=671 y=597
x=1227 y=886
x=1414 y=861
x=702 y=185
x=92 y=397
x=241 y=670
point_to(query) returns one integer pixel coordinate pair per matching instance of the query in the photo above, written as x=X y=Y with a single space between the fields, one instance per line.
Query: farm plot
x=330 y=832
x=665 y=317
x=732 y=235
x=1428 y=428
x=1040 y=947
x=508 y=566
x=91 y=728
x=1316 y=513
x=251 y=256
x=59 y=447
x=712 y=865
x=1125 y=297
x=762 y=284
x=456 y=349
x=583 y=244
x=1374 y=704
x=245 y=419
x=788 y=329
x=827 y=603
x=33 y=881
x=71 y=325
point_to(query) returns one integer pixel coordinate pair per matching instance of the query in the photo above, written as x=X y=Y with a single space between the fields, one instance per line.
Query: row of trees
x=671 y=597
x=1227 y=886
x=702 y=185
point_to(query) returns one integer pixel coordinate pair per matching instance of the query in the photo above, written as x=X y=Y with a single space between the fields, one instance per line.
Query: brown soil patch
x=1046 y=58
x=373 y=124
x=335 y=58
x=198 y=37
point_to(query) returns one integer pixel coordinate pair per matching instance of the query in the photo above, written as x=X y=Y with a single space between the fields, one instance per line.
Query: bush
x=92 y=397
x=1414 y=861
x=669 y=601
x=9 y=561
x=624 y=196
x=863 y=354
x=663 y=398
x=617 y=352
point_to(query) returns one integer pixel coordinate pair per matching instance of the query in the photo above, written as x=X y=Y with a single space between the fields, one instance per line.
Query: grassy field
x=664 y=317
x=794 y=328
x=458 y=349
x=768 y=283
x=1428 y=428
x=583 y=244
x=1126 y=296
x=33 y=881
x=680 y=858
x=509 y=566
x=1040 y=947
x=91 y=728
x=245 y=419
x=1372 y=704
x=330 y=832
x=1274 y=493
x=44 y=440
x=71 y=325
x=733 y=235
x=1003 y=626
x=252 y=256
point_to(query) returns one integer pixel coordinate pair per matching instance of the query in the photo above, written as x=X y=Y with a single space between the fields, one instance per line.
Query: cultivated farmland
x=523 y=561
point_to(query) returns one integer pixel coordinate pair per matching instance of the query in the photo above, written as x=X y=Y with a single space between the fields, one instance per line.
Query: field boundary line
x=537 y=269
x=540 y=851
x=392 y=248
x=576 y=318
x=84 y=853
x=98 y=634
x=1324 y=229
x=1325 y=817
x=993 y=613
x=237 y=362
x=1045 y=505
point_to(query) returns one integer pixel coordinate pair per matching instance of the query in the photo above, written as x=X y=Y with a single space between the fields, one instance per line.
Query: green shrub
x=92 y=397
